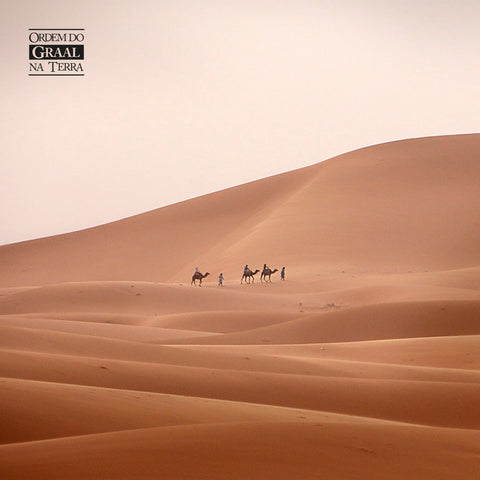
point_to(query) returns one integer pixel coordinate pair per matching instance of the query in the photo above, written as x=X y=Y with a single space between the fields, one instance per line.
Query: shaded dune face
x=363 y=364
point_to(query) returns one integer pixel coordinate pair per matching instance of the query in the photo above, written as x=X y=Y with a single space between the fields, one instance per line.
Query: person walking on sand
x=220 y=280
x=282 y=274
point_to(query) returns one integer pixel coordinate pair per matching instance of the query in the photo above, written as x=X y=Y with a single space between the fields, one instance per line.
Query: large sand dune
x=364 y=363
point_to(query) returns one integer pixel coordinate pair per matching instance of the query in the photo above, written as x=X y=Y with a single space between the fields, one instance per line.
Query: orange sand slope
x=363 y=364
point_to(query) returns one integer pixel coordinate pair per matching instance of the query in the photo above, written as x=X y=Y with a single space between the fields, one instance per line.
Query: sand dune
x=373 y=322
x=364 y=363
x=248 y=450
x=407 y=205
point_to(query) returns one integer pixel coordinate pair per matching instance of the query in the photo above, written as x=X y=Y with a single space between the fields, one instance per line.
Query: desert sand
x=363 y=364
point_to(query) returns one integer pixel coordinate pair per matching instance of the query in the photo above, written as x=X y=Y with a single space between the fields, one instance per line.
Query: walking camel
x=267 y=272
x=198 y=276
x=249 y=276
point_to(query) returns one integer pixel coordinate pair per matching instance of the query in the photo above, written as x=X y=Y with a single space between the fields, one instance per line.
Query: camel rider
x=246 y=269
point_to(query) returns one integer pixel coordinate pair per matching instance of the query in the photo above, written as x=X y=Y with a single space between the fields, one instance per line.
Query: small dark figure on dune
x=267 y=273
x=248 y=275
x=198 y=276
x=282 y=274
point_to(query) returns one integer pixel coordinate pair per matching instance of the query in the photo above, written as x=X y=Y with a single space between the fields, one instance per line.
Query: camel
x=267 y=272
x=198 y=276
x=248 y=274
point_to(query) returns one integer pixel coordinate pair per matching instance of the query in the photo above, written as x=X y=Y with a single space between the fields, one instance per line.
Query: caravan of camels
x=248 y=275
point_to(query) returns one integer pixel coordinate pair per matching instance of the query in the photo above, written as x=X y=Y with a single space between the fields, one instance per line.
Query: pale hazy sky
x=186 y=97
